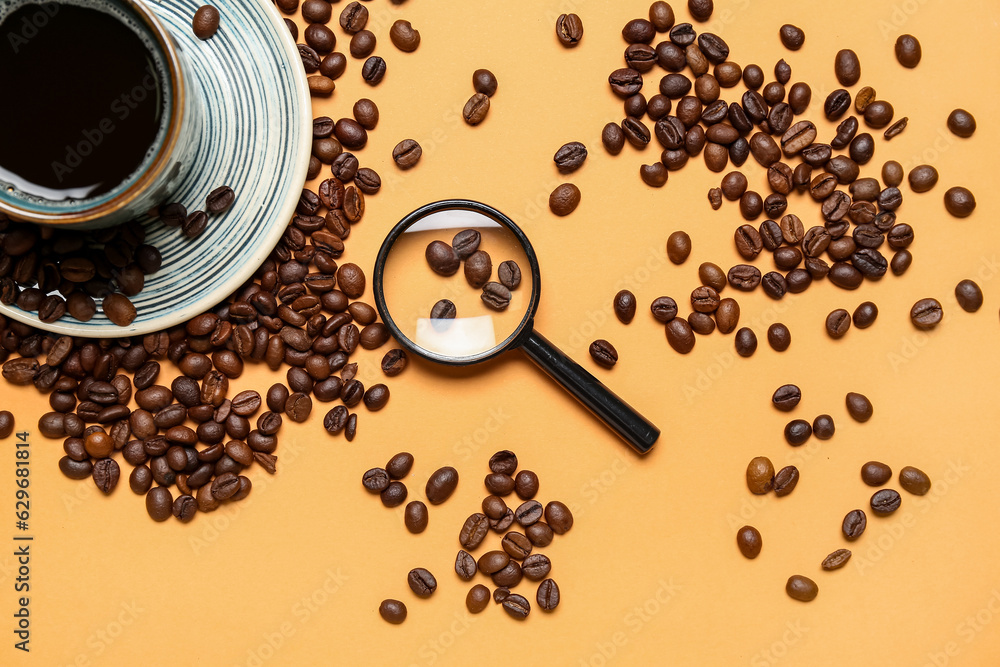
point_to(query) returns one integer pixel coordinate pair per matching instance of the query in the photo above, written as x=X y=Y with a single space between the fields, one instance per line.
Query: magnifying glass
x=457 y=282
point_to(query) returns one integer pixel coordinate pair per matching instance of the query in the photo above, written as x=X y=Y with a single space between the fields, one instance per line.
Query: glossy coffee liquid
x=82 y=100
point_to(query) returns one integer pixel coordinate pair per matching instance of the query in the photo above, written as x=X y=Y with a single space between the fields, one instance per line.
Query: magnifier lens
x=458 y=284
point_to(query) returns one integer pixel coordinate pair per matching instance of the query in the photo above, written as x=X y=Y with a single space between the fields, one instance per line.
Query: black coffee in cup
x=84 y=103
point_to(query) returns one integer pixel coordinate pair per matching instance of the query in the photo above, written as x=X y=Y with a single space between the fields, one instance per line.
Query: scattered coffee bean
x=926 y=314
x=746 y=342
x=205 y=22
x=786 y=397
x=570 y=157
x=760 y=475
x=969 y=296
x=836 y=560
x=569 y=30
x=415 y=517
x=441 y=485
x=959 y=202
x=407 y=154
x=961 y=123
x=404 y=37
x=477 y=599
x=854 y=524
x=604 y=353
x=801 y=588
x=421 y=582
x=564 y=199
x=859 y=407
x=516 y=606
x=914 y=480
x=547 y=595
x=885 y=502
x=907 y=51
x=749 y=541
x=791 y=37
x=875 y=473
x=823 y=427
x=797 y=432
x=485 y=82
x=392 y=611
x=838 y=323
x=779 y=337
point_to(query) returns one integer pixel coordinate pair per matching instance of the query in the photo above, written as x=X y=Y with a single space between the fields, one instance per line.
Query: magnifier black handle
x=632 y=427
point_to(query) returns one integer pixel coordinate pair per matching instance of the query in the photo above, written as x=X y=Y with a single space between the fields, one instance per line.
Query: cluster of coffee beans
x=445 y=260
x=318 y=53
x=54 y=272
x=387 y=483
x=506 y=566
x=761 y=479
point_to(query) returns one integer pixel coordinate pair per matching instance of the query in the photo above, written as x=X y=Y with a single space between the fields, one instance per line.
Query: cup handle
x=618 y=415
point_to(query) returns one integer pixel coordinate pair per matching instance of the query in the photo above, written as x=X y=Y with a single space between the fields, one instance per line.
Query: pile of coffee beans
x=445 y=260
x=762 y=479
x=506 y=566
x=689 y=117
x=55 y=272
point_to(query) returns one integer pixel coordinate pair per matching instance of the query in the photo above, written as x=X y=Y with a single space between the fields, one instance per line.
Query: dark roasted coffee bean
x=859 y=407
x=779 y=337
x=823 y=427
x=635 y=132
x=474 y=531
x=547 y=595
x=838 y=323
x=854 y=524
x=847 y=67
x=961 y=123
x=926 y=314
x=679 y=335
x=159 y=503
x=922 y=178
x=797 y=432
x=875 y=473
x=748 y=242
x=485 y=82
x=441 y=485
x=744 y=277
x=746 y=342
x=845 y=275
x=751 y=205
x=959 y=202
x=749 y=541
x=885 y=502
x=404 y=37
x=564 y=199
x=624 y=305
x=865 y=314
x=701 y=323
x=392 y=611
x=604 y=353
x=569 y=30
x=570 y=157
x=792 y=37
x=969 y=296
x=878 y=114
x=836 y=560
x=613 y=138
x=465 y=565
x=801 y=588
x=373 y=71
x=727 y=315
x=896 y=128
x=786 y=397
x=516 y=606
x=495 y=296
x=785 y=480
x=837 y=103
x=394 y=495
x=421 y=582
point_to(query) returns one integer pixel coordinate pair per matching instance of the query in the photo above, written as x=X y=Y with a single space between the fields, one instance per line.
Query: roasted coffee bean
x=786 y=397
x=961 y=123
x=865 y=315
x=678 y=247
x=799 y=97
x=969 y=296
x=499 y=484
x=570 y=157
x=392 y=611
x=564 y=199
x=744 y=277
x=896 y=128
x=923 y=178
x=635 y=132
x=847 y=67
x=875 y=473
x=801 y=588
x=845 y=276
x=441 y=485
x=613 y=138
x=885 y=502
x=373 y=71
x=624 y=305
x=779 y=337
x=701 y=323
x=375 y=480
x=569 y=30
x=837 y=103
x=442 y=258
x=528 y=513
x=854 y=524
x=914 y=480
x=159 y=503
x=797 y=432
x=421 y=582
x=712 y=275
x=792 y=37
x=704 y=299
x=404 y=37
x=205 y=22
x=749 y=541
x=394 y=494
x=785 y=480
x=878 y=114
x=734 y=184
x=748 y=242
x=477 y=599
x=859 y=407
x=959 y=202
x=547 y=595
x=836 y=560
x=474 y=531
x=105 y=473
x=680 y=335
x=495 y=296
x=485 y=82
x=907 y=51
x=760 y=475
x=838 y=322
x=465 y=565
x=663 y=308
x=478 y=269
x=926 y=314
x=746 y=342
x=407 y=154
x=603 y=353
x=751 y=205
x=516 y=606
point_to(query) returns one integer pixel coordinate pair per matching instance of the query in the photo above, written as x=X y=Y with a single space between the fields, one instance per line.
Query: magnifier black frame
x=378 y=286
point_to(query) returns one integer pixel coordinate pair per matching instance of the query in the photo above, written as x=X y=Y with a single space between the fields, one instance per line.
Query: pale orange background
x=650 y=573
